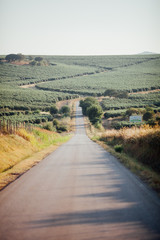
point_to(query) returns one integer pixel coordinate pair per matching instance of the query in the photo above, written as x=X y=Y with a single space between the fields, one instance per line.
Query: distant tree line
x=14 y=57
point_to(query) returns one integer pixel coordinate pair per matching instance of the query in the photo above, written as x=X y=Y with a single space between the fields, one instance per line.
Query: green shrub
x=53 y=110
x=48 y=127
x=61 y=128
x=118 y=148
x=131 y=111
x=65 y=110
x=94 y=112
x=55 y=122
x=88 y=102
x=147 y=116
x=37 y=121
x=116 y=93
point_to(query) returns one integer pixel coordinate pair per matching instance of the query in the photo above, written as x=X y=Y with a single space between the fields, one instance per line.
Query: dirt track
x=79 y=192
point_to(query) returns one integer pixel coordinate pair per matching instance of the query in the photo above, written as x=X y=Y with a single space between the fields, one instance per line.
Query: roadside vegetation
x=137 y=146
x=17 y=147
x=24 y=145
x=21 y=151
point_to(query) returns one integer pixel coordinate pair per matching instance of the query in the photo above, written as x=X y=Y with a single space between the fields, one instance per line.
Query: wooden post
x=3 y=125
x=7 y=126
x=10 y=126
x=16 y=127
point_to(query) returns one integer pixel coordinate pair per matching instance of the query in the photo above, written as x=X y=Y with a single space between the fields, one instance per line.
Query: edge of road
x=22 y=167
x=136 y=176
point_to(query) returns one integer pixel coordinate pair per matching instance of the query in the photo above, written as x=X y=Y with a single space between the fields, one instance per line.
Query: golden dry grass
x=137 y=142
x=20 y=152
x=13 y=149
x=133 y=134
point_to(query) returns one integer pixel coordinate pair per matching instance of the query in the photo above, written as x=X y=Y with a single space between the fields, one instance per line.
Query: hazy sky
x=79 y=27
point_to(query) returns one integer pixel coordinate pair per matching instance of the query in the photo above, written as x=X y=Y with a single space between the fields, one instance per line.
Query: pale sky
x=79 y=27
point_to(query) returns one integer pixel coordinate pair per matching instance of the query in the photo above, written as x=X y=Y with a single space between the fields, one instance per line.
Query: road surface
x=79 y=192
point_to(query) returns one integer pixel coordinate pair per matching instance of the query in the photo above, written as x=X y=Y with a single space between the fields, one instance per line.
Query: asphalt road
x=79 y=192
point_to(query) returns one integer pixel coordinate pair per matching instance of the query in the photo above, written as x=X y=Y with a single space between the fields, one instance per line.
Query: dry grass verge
x=20 y=152
x=145 y=173
x=16 y=171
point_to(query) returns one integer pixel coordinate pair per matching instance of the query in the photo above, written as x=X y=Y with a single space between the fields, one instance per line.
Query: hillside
x=26 y=91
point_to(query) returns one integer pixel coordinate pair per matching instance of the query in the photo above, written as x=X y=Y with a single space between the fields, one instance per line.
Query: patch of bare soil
x=28 y=86
x=20 y=62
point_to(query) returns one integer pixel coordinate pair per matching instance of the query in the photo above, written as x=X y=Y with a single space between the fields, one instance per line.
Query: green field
x=71 y=76
x=136 y=101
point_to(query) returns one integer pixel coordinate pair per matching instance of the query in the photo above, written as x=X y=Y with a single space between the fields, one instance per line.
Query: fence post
x=3 y=125
x=7 y=126
x=10 y=126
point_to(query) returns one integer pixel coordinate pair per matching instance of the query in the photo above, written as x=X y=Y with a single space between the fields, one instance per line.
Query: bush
x=61 y=128
x=38 y=59
x=49 y=118
x=116 y=93
x=131 y=111
x=53 y=110
x=118 y=148
x=48 y=127
x=147 y=116
x=36 y=111
x=110 y=114
x=89 y=101
x=65 y=110
x=94 y=113
x=37 y=121
x=14 y=57
x=55 y=122
x=27 y=112
x=152 y=122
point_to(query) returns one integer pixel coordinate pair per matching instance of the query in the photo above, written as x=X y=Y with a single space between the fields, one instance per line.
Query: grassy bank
x=137 y=148
x=25 y=149
x=142 y=143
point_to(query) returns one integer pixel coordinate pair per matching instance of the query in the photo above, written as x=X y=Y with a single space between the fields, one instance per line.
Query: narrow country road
x=79 y=192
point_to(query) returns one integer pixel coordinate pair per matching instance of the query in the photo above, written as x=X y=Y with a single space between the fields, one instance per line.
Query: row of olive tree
x=65 y=110
x=92 y=109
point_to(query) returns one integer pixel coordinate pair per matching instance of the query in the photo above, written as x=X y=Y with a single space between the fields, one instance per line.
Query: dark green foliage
x=61 y=128
x=114 y=113
x=116 y=93
x=121 y=124
x=131 y=111
x=147 y=115
x=94 y=113
x=37 y=121
x=92 y=109
x=65 y=110
x=55 y=122
x=118 y=148
x=53 y=110
x=89 y=101
x=38 y=59
x=152 y=122
x=48 y=127
x=14 y=57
